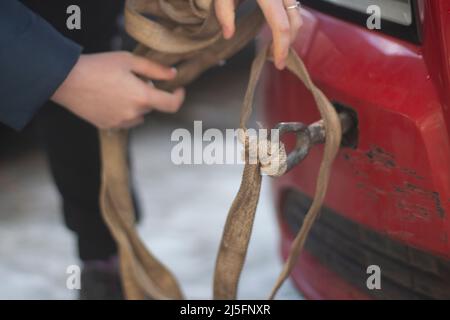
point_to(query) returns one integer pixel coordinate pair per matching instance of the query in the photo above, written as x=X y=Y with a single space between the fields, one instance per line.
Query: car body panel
x=397 y=180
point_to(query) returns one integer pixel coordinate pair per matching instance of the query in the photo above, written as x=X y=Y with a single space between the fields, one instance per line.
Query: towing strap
x=187 y=34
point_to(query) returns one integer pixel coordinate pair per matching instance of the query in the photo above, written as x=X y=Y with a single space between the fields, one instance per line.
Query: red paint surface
x=398 y=179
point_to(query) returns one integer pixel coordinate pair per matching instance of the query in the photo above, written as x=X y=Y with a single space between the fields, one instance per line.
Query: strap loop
x=239 y=224
x=188 y=37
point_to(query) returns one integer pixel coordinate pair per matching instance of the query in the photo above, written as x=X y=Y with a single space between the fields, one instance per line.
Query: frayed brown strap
x=239 y=224
x=143 y=276
x=188 y=35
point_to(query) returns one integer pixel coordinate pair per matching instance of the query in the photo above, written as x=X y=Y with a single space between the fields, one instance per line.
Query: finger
x=166 y=101
x=152 y=70
x=132 y=123
x=277 y=18
x=225 y=12
x=295 y=19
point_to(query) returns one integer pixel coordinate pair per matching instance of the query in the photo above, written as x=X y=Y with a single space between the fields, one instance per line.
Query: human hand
x=284 y=23
x=105 y=90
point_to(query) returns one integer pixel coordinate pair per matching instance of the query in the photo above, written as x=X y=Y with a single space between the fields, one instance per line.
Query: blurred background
x=184 y=207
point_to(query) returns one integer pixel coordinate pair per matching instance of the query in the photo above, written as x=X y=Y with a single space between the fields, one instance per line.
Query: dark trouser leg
x=72 y=147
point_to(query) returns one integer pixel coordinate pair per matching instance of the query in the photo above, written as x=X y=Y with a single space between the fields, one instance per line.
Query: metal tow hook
x=308 y=136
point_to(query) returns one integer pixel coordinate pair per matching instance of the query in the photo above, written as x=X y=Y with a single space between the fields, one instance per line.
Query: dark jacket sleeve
x=34 y=60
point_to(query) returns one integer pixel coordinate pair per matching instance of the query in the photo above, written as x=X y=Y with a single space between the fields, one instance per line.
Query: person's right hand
x=285 y=23
x=105 y=90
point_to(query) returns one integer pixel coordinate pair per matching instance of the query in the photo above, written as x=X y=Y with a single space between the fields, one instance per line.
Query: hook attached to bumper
x=308 y=136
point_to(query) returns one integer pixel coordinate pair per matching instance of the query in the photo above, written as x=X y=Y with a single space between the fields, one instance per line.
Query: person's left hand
x=284 y=23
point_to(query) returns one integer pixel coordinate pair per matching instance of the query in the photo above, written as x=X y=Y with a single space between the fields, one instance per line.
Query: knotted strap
x=239 y=224
x=184 y=33
x=187 y=35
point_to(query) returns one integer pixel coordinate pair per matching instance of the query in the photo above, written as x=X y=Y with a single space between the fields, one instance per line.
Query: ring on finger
x=297 y=5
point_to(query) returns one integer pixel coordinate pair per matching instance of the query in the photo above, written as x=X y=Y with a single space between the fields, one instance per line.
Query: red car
x=388 y=202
